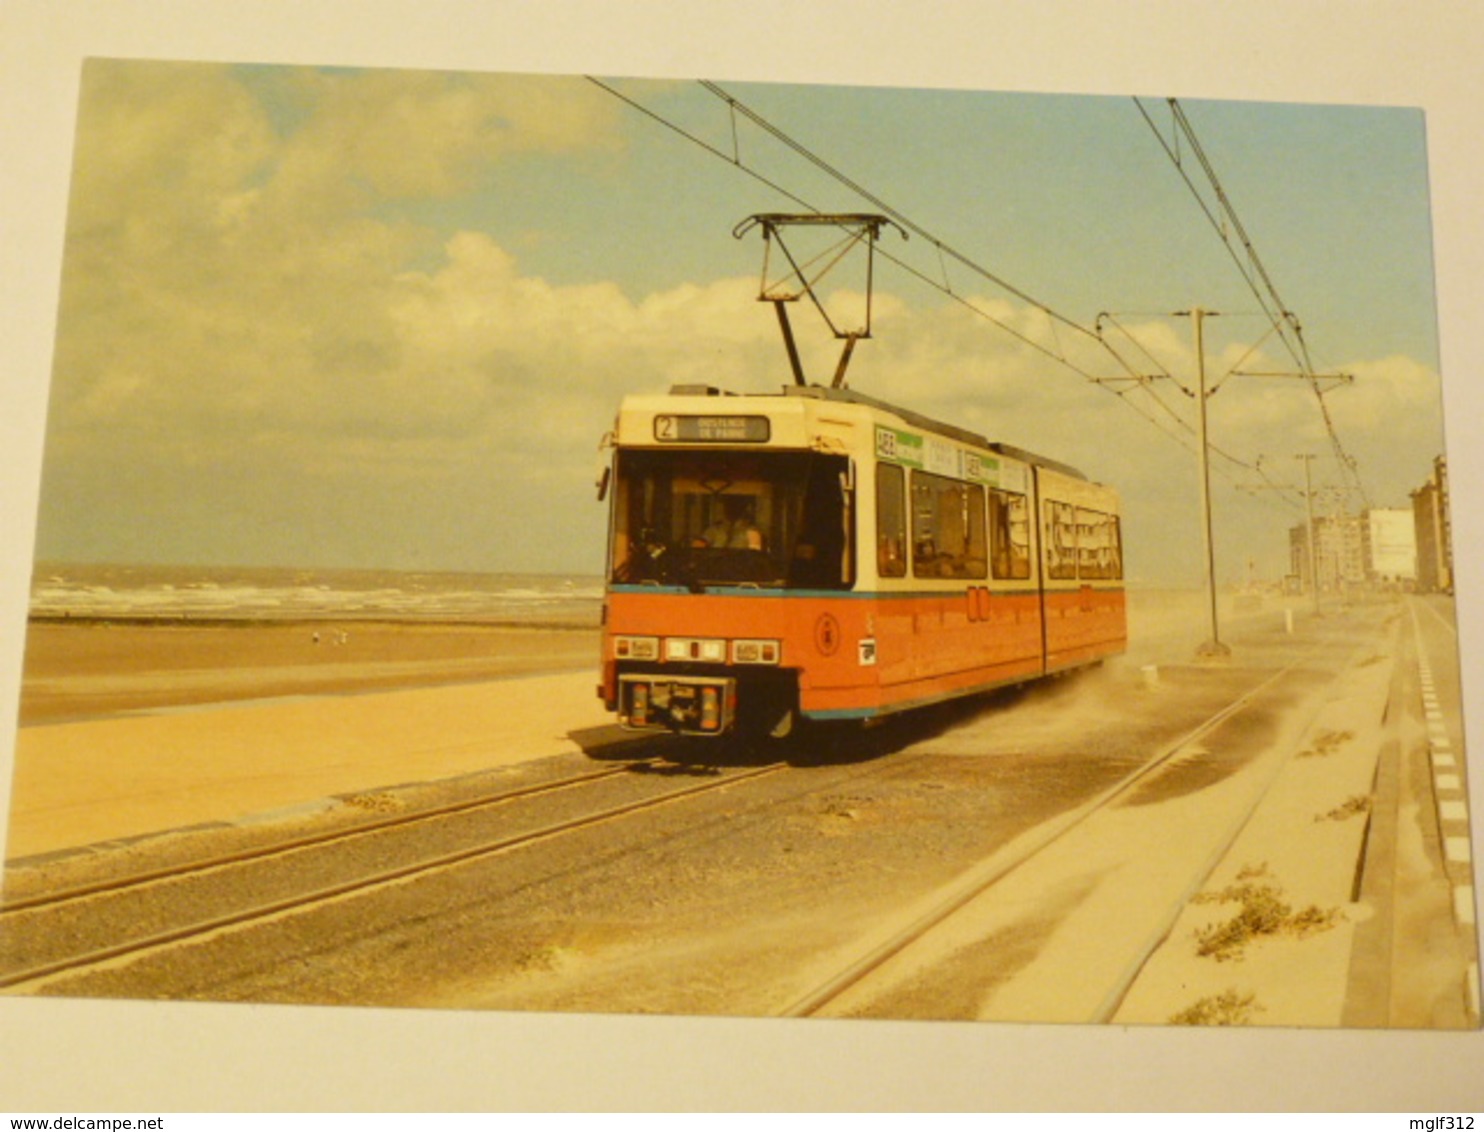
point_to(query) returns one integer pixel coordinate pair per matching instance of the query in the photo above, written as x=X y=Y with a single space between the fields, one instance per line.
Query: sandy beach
x=78 y=670
x=132 y=729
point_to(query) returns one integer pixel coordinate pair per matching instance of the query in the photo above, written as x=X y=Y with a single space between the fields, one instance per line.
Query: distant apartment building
x=1383 y=548
x=1390 y=537
x=1434 y=534
x=1340 y=552
x=1376 y=549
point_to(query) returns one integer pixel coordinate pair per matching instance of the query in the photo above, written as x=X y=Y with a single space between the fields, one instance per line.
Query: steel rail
x=309 y=841
x=1121 y=986
x=977 y=880
x=305 y=901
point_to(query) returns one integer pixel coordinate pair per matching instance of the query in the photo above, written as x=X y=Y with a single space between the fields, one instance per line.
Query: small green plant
x=1225 y=1009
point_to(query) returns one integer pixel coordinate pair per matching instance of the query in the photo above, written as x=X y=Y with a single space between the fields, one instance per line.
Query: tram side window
x=1010 y=534
x=1099 y=551
x=1061 y=540
x=891 y=521
x=1087 y=544
x=947 y=528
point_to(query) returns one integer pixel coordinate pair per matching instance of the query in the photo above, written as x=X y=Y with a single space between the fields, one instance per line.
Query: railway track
x=382 y=859
x=853 y=979
x=17 y=916
x=327 y=837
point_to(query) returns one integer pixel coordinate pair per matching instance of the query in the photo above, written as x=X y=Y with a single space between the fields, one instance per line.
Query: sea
x=61 y=591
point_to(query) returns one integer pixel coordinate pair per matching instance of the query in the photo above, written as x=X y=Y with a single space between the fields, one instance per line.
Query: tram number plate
x=673 y=428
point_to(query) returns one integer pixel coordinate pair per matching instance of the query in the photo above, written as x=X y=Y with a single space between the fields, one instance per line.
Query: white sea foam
x=179 y=592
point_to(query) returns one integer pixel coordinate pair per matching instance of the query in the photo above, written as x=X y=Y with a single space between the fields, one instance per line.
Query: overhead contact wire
x=943 y=249
x=1281 y=319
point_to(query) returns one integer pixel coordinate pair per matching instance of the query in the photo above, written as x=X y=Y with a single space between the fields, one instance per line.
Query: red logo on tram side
x=979 y=603
x=827 y=634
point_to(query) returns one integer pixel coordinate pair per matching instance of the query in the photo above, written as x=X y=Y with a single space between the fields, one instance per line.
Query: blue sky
x=1069 y=197
x=350 y=317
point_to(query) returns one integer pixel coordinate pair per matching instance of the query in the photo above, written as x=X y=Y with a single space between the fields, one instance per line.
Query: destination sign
x=682 y=429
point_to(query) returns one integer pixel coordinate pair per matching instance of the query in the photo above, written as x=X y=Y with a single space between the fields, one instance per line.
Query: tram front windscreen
x=699 y=518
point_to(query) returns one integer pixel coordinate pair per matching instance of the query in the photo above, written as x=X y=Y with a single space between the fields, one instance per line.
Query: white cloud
x=245 y=356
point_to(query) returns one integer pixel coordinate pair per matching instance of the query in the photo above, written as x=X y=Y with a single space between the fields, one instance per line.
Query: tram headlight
x=639 y=706
x=710 y=708
x=756 y=652
x=709 y=649
x=636 y=648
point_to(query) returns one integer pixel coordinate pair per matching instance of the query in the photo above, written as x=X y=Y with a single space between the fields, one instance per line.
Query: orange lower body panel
x=859 y=656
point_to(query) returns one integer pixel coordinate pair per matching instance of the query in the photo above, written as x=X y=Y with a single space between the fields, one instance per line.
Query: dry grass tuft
x=1263 y=912
x=1225 y=1009
x=1353 y=806
x=1326 y=744
x=375 y=803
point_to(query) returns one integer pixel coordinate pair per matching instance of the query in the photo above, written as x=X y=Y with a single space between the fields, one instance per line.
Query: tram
x=816 y=554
